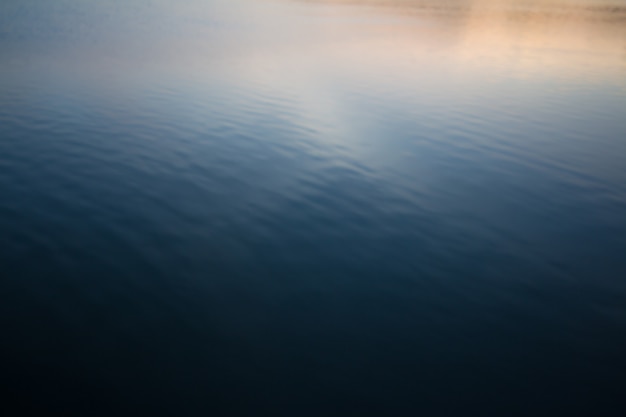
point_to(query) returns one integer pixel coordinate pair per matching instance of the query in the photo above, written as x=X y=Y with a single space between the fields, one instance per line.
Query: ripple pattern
x=295 y=208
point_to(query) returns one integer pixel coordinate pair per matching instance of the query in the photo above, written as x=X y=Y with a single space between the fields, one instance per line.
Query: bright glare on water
x=313 y=207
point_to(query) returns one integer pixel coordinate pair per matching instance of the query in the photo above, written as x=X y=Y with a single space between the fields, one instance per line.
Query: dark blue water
x=313 y=208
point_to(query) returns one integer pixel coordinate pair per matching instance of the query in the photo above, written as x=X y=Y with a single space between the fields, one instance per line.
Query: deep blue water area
x=313 y=208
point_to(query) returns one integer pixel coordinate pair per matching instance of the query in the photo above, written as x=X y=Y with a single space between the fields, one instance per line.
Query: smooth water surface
x=313 y=208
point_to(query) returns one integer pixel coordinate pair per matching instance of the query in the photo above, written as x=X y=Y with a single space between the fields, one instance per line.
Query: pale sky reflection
x=286 y=39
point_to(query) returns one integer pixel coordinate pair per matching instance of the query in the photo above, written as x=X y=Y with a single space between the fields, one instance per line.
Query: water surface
x=313 y=208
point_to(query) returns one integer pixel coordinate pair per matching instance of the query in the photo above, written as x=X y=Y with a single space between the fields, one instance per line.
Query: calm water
x=313 y=208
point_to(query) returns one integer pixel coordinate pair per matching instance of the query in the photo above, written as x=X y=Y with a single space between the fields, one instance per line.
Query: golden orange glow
x=529 y=37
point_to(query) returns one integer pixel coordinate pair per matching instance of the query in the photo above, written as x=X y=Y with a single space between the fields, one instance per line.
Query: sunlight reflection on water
x=363 y=206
